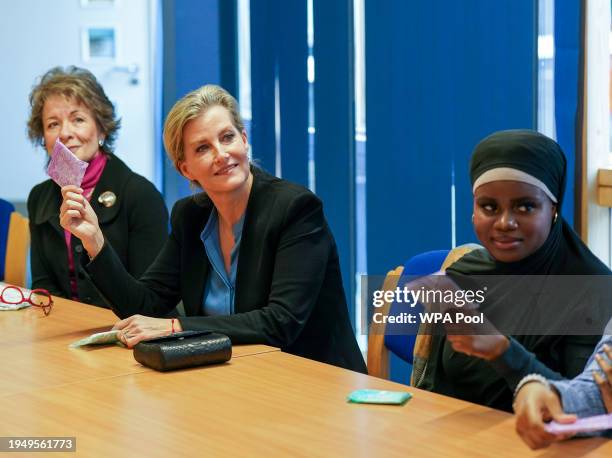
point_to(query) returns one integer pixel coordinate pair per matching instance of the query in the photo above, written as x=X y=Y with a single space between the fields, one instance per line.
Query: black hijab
x=563 y=253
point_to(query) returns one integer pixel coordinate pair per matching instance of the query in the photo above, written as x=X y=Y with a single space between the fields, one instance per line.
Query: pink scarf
x=90 y=180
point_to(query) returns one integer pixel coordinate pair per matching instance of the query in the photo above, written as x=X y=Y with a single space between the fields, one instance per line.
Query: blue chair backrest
x=6 y=208
x=422 y=264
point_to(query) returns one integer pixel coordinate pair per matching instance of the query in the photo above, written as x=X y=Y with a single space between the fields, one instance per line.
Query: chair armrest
x=378 y=355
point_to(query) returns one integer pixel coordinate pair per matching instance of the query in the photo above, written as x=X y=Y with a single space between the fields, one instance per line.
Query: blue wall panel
x=263 y=61
x=279 y=50
x=194 y=55
x=567 y=91
x=334 y=120
x=293 y=83
x=440 y=76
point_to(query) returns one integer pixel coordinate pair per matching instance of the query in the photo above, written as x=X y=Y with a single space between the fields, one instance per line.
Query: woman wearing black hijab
x=518 y=180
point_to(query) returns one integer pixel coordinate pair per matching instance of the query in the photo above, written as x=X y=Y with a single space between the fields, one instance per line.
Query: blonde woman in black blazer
x=288 y=288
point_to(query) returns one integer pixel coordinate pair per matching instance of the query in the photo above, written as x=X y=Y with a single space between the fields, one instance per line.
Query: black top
x=563 y=253
x=136 y=225
x=289 y=290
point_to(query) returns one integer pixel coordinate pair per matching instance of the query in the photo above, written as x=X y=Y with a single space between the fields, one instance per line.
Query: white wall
x=36 y=35
x=597 y=124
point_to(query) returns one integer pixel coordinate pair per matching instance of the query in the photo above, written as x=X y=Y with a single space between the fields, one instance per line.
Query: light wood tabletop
x=271 y=404
x=261 y=403
x=36 y=355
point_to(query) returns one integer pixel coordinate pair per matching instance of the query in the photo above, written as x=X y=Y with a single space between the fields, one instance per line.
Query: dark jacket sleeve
x=301 y=258
x=300 y=267
x=155 y=294
x=147 y=224
x=40 y=271
x=517 y=361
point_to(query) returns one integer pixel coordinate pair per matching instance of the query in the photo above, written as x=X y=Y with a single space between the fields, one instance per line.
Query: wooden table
x=35 y=355
x=262 y=403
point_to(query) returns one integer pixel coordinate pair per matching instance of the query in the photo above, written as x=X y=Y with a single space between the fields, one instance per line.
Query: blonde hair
x=81 y=85
x=195 y=104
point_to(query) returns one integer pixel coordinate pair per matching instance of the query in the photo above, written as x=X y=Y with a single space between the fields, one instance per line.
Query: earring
x=42 y=142
x=472 y=218
x=101 y=142
x=556 y=217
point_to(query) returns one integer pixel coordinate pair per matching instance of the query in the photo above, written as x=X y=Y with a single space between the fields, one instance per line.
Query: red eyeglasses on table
x=13 y=295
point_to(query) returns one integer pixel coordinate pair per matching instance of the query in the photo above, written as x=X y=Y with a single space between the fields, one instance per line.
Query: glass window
x=546 y=68
x=360 y=160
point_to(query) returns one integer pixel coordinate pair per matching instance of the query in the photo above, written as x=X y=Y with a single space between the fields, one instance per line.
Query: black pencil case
x=183 y=349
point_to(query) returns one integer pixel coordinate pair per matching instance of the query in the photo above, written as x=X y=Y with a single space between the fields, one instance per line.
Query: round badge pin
x=107 y=198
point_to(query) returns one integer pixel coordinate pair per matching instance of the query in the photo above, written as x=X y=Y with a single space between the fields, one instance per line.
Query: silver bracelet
x=528 y=379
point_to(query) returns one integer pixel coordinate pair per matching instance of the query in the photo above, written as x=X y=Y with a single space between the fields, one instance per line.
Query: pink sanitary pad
x=582 y=425
x=65 y=168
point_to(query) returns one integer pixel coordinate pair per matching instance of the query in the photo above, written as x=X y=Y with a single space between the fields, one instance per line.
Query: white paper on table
x=100 y=338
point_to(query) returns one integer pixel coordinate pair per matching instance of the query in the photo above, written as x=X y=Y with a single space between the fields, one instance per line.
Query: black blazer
x=289 y=290
x=136 y=225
